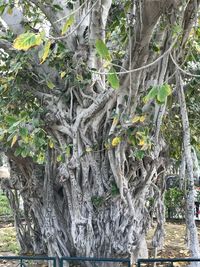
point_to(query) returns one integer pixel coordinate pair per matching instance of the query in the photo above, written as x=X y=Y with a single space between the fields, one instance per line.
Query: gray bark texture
x=193 y=241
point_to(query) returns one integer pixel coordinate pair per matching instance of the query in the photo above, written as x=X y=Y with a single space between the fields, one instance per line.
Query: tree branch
x=4 y=44
x=182 y=70
x=189 y=19
x=91 y=110
x=14 y=20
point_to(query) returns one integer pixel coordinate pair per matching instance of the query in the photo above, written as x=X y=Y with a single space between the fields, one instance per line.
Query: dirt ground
x=174 y=244
x=175 y=241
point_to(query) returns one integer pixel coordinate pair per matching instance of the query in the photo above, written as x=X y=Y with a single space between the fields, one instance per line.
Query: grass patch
x=8 y=241
x=4 y=205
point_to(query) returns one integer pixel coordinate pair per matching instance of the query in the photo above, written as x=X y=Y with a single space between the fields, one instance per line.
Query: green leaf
x=114 y=190
x=18 y=151
x=41 y=158
x=24 y=152
x=68 y=151
x=10 y=119
x=27 y=40
x=79 y=77
x=59 y=158
x=67 y=24
x=156 y=47
x=23 y=131
x=45 y=51
x=50 y=84
x=113 y=78
x=152 y=94
x=43 y=34
x=103 y=50
x=139 y=154
x=2 y=8
x=2 y=136
x=163 y=92
x=57 y=7
x=10 y=137
x=176 y=29
x=14 y=126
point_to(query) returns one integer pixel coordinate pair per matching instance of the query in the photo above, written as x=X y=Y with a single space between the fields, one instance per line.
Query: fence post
x=54 y=262
x=61 y=262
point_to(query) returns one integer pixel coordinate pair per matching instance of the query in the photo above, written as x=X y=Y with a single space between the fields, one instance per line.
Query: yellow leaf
x=26 y=139
x=135 y=119
x=43 y=34
x=142 y=142
x=51 y=144
x=59 y=158
x=115 y=121
x=26 y=41
x=40 y=158
x=79 y=77
x=10 y=11
x=142 y=118
x=107 y=146
x=140 y=135
x=106 y=64
x=50 y=84
x=116 y=141
x=88 y=149
x=45 y=51
x=63 y=73
x=1 y=137
x=68 y=151
x=138 y=119
x=14 y=140
x=145 y=147
x=67 y=24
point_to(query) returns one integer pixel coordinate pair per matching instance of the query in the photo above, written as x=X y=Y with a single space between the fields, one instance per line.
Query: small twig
x=73 y=12
x=118 y=66
x=140 y=68
x=182 y=70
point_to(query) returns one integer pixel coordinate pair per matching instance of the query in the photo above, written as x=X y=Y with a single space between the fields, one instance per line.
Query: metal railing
x=99 y=260
x=22 y=260
x=162 y=260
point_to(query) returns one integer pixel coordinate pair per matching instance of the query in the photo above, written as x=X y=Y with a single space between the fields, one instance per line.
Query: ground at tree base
x=175 y=241
x=174 y=245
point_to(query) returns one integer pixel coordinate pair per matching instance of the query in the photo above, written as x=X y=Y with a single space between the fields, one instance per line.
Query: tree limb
x=5 y=45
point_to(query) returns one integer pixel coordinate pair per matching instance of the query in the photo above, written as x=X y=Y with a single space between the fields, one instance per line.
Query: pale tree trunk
x=27 y=229
x=193 y=242
x=182 y=172
x=91 y=229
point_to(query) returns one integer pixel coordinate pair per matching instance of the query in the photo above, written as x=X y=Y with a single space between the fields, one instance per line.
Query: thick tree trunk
x=27 y=228
x=78 y=215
